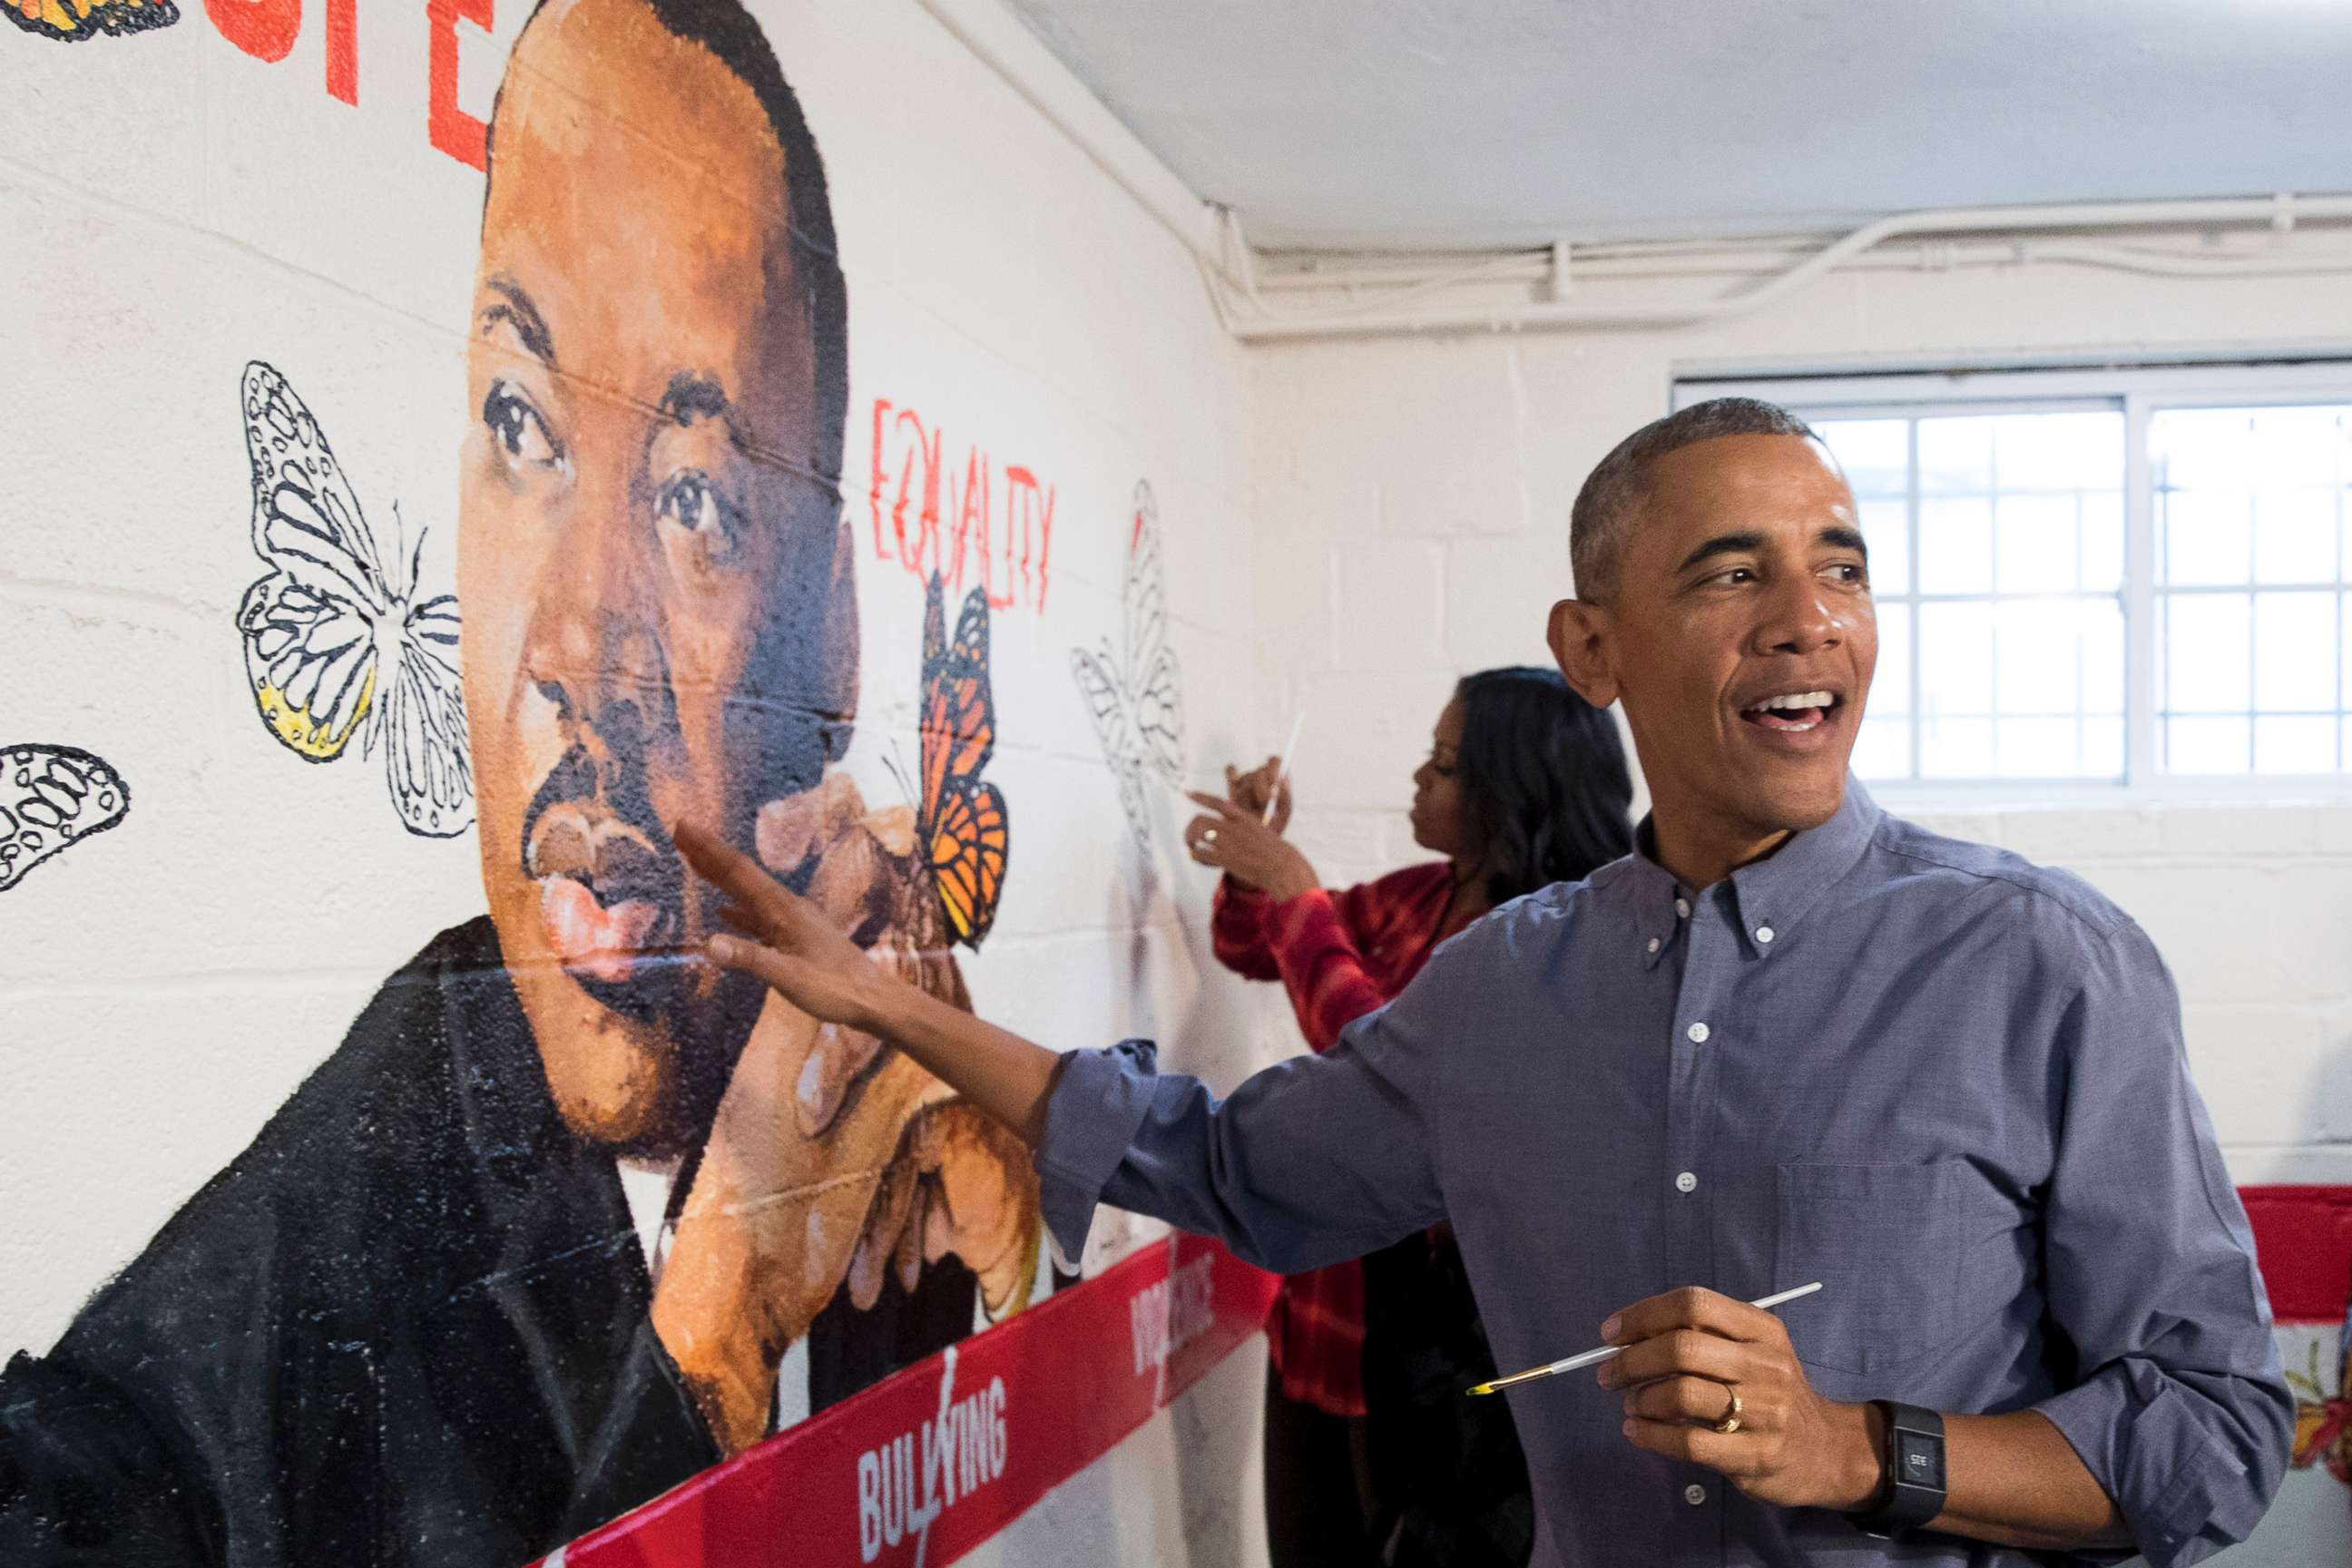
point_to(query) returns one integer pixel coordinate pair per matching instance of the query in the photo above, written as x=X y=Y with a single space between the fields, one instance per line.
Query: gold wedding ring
x=1730 y=1422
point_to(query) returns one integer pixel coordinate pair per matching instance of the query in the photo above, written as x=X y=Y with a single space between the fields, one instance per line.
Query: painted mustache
x=612 y=886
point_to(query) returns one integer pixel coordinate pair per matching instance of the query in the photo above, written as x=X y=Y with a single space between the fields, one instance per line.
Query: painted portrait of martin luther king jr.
x=529 y=1249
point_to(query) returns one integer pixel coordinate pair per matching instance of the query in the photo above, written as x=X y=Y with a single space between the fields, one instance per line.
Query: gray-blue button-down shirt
x=1946 y=1083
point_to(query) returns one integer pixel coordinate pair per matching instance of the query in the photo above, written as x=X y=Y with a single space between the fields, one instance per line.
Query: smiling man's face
x=654 y=582
x=1742 y=636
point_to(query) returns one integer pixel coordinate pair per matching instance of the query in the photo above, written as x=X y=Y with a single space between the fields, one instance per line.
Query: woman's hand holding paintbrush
x=1240 y=832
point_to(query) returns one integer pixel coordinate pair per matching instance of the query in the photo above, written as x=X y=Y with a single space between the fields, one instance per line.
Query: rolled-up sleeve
x=2180 y=1410
x=1312 y=1161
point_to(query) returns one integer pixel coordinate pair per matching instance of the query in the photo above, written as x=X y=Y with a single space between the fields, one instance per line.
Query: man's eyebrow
x=691 y=397
x=520 y=313
x=1842 y=538
x=1722 y=544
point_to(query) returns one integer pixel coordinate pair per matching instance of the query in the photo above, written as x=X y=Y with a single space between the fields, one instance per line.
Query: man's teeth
x=1795 y=700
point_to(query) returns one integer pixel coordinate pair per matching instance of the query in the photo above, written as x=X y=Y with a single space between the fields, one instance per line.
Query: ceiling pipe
x=1214 y=235
x=1380 y=317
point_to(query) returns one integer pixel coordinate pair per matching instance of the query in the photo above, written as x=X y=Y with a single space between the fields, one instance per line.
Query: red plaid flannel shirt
x=1340 y=955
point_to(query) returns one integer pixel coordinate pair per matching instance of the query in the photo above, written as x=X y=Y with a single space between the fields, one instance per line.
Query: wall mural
x=1135 y=693
x=72 y=20
x=2322 y=1414
x=51 y=798
x=337 y=640
x=534 y=1242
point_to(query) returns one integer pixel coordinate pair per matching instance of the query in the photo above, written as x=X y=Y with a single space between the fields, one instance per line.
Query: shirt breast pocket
x=1885 y=1242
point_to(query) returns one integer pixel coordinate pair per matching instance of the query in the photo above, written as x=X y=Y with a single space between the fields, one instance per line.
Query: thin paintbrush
x=1595 y=1357
x=1282 y=774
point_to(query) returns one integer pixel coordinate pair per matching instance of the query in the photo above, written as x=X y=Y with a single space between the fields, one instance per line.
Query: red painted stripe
x=970 y=1447
x=944 y=1454
x=2302 y=1236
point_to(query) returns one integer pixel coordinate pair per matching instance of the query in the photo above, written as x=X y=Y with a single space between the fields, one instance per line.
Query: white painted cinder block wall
x=1410 y=499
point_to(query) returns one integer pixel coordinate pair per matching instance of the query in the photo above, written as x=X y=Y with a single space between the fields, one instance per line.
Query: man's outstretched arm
x=1310 y=1161
x=788 y=942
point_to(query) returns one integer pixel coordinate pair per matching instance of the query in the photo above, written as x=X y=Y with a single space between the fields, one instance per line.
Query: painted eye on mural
x=522 y=434
x=692 y=501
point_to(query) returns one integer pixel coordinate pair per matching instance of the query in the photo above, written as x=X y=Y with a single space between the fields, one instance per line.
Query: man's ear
x=1580 y=634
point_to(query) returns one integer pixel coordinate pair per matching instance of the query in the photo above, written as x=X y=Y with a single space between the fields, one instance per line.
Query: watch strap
x=1913 y=1489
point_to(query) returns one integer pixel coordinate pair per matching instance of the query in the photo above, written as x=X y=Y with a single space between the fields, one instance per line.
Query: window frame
x=2139 y=391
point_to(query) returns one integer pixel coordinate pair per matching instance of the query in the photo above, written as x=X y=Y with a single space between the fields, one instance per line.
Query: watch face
x=1920 y=1459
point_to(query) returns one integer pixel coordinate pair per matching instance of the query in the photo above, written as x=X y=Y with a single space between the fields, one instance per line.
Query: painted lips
x=609 y=892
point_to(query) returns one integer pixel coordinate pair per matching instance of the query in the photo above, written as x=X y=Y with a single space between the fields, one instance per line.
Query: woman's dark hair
x=1544 y=782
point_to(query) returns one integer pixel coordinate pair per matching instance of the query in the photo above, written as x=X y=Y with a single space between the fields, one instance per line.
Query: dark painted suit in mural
x=408 y=1325
x=414 y=1322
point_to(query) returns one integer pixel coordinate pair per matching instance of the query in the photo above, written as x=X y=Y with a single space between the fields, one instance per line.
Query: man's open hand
x=1688 y=1353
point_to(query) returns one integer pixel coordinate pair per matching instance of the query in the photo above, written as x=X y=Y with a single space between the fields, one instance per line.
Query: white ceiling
x=1364 y=123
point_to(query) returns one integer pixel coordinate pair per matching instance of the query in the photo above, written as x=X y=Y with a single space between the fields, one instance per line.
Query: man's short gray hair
x=1613 y=492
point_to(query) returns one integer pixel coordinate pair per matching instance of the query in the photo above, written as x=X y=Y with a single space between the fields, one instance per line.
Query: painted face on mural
x=658 y=617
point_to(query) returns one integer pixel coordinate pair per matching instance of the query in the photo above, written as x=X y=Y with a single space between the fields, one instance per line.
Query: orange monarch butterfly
x=960 y=827
x=75 y=19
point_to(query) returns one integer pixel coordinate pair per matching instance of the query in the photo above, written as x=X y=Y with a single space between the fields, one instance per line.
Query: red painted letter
x=262 y=28
x=343 y=51
x=452 y=130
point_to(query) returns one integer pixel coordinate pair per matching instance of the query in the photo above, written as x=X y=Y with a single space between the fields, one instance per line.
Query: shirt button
x=1686 y=1182
x=1764 y=934
x=1694 y=1494
x=1698 y=1032
x=1656 y=942
x=1682 y=908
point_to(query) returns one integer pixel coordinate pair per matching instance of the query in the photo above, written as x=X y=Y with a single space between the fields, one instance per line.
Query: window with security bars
x=1997 y=563
x=2108 y=579
x=2250 y=588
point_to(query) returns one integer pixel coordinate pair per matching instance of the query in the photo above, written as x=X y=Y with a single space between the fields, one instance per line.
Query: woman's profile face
x=1437 y=815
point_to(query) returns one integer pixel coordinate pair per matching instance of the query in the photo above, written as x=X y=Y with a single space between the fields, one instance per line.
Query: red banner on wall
x=2302 y=1237
x=927 y=1464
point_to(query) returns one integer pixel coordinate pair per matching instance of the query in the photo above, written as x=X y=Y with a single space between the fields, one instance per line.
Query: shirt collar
x=1772 y=895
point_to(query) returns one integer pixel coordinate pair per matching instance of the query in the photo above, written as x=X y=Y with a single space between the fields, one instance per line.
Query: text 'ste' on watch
x=1913 y=1491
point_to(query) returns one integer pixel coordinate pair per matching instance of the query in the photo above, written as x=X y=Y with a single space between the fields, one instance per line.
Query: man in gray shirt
x=1791 y=1038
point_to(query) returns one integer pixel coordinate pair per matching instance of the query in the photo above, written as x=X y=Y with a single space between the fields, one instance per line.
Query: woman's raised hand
x=1229 y=835
x=1251 y=790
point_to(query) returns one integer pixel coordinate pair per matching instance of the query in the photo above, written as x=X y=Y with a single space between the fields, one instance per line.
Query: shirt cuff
x=1099 y=1101
x=2183 y=1494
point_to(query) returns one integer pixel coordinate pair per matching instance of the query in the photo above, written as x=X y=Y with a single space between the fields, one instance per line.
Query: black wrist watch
x=1912 y=1490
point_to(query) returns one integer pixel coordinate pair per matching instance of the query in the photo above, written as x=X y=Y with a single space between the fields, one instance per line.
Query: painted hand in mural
x=957 y=1183
x=1232 y=835
x=836 y=1161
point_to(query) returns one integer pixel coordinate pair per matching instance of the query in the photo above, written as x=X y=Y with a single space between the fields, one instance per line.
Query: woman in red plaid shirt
x=1525 y=785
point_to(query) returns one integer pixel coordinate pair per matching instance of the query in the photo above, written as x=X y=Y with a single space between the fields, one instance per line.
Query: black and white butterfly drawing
x=52 y=796
x=337 y=642
x=1136 y=695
